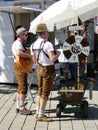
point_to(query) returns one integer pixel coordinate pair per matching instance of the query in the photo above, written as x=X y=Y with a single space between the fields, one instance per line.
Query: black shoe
x=17 y=110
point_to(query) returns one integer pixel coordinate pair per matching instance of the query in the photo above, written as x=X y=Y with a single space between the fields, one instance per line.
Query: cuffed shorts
x=21 y=79
x=46 y=75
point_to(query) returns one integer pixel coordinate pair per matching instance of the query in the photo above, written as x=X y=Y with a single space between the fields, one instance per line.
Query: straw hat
x=41 y=28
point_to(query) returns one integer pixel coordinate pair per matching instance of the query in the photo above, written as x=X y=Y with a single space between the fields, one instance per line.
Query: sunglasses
x=25 y=34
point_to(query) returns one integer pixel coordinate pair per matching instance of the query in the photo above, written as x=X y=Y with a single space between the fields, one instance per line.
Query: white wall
x=6 y=40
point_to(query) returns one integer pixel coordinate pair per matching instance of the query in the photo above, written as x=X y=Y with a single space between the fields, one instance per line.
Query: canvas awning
x=18 y=9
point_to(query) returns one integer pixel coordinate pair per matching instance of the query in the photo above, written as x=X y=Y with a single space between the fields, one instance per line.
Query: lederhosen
x=21 y=77
x=45 y=78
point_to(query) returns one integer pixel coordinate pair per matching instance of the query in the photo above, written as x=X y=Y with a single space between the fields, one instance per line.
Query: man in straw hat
x=45 y=57
x=18 y=50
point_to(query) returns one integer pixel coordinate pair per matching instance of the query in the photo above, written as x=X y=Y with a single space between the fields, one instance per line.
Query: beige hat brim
x=21 y=31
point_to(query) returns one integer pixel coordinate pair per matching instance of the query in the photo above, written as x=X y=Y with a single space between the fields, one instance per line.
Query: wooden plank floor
x=9 y=120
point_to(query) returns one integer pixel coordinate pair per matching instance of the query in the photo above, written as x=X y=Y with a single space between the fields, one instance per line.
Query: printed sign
x=74 y=28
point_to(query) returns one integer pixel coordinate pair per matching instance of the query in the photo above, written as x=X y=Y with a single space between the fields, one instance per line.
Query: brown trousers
x=21 y=79
x=45 y=80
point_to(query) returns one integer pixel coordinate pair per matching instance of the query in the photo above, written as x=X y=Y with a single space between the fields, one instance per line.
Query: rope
x=11 y=23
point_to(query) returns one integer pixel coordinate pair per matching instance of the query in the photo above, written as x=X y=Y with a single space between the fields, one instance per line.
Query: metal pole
x=11 y=23
x=43 y=4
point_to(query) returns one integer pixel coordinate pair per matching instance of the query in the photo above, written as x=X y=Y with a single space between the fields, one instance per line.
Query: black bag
x=57 y=61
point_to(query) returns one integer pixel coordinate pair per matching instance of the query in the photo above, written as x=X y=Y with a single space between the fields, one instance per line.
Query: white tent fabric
x=66 y=12
x=85 y=9
x=60 y=14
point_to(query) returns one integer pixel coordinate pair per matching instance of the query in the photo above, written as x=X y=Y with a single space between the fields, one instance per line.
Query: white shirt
x=16 y=45
x=46 y=46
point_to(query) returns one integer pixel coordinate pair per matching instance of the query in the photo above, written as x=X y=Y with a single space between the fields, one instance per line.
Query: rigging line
x=11 y=23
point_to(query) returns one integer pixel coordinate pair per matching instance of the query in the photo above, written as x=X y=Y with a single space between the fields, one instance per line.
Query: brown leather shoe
x=44 y=118
x=25 y=112
x=36 y=115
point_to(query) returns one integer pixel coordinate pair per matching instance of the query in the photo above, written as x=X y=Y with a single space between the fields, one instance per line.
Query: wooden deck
x=9 y=120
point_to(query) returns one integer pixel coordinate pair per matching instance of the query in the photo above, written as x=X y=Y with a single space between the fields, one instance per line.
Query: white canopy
x=66 y=12
x=59 y=14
